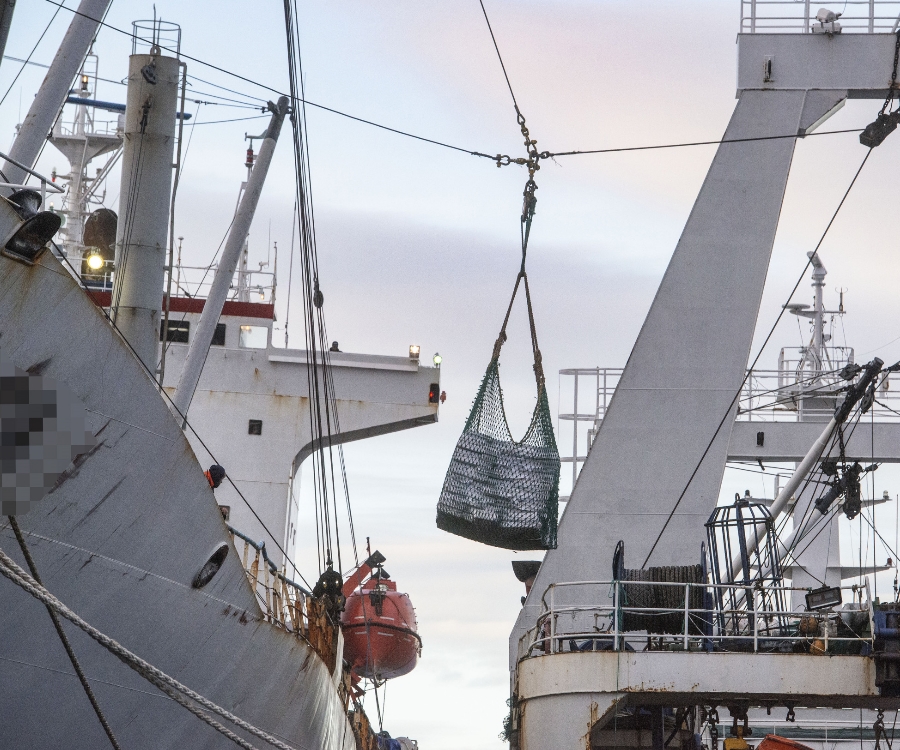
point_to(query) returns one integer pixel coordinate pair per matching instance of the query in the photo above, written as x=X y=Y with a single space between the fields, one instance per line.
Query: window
x=255 y=427
x=177 y=331
x=218 y=338
x=254 y=337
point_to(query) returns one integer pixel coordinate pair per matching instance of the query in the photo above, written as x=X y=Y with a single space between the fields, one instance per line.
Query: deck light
x=414 y=350
x=95 y=261
x=437 y=359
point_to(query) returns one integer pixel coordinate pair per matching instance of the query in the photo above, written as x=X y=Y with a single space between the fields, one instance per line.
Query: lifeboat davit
x=379 y=625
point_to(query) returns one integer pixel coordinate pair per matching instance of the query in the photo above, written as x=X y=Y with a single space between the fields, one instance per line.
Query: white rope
x=169 y=685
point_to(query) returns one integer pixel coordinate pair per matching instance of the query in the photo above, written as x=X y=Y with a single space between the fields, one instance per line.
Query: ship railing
x=799 y=16
x=45 y=182
x=195 y=281
x=785 y=395
x=284 y=601
x=592 y=390
x=810 y=730
x=599 y=616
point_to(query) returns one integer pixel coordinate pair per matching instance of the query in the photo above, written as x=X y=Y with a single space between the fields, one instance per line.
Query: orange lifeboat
x=379 y=625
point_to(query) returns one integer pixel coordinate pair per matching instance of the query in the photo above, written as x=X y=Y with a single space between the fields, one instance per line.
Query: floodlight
x=823 y=598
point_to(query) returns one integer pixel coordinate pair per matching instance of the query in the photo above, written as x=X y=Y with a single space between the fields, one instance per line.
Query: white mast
x=141 y=235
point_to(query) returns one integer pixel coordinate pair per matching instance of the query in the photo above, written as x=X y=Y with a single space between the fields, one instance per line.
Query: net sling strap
x=499 y=491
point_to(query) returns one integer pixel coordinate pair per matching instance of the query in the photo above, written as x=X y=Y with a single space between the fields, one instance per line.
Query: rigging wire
x=498 y=158
x=499 y=56
x=27 y=60
x=234 y=119
x=755 y=360
x=323 y=416
x=688 y=144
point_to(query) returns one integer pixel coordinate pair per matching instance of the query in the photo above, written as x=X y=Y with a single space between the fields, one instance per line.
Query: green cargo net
x=500 y=491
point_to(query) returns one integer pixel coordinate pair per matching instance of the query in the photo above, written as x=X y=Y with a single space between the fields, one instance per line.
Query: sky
x=418 y=244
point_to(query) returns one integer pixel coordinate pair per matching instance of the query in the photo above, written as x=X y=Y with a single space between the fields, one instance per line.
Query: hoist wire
x=309 y=276
x=499 y=56
x=323 y=415
x=755 y=360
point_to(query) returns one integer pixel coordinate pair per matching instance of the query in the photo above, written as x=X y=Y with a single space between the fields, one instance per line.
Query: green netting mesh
x=499 y=491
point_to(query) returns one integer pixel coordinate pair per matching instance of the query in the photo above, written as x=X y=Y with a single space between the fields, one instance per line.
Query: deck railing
x=284 y=602
x=799 y=16
x=591 y=616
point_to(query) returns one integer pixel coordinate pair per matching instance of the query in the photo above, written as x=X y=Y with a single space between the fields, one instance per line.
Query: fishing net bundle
x=497 y=490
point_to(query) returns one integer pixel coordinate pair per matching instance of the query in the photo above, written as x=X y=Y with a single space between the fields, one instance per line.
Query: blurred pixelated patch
x=42 y=431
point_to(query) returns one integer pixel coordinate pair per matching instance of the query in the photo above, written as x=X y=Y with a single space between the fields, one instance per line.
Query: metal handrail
x=45 y=183
x=546 y=638
x=261 y=547
x=798 y=16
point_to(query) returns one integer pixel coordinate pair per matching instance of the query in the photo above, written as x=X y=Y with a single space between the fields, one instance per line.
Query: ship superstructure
x=654 y=611
x=192 y=574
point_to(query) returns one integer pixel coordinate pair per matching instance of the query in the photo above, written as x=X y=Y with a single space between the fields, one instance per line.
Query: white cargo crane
x=590 y=666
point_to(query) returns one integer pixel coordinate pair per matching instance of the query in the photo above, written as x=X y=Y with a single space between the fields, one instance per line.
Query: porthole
x=211 y=567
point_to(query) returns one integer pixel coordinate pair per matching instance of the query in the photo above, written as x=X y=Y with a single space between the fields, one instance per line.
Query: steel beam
x=221 y=284
x=55 y=87
x=563 y=696
x=789 y=441
x=858 y=63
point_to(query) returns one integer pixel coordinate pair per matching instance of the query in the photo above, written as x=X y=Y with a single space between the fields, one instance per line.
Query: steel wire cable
x=499 y=56
x=756 y=359
x=321 y=385
x=27 y=60
x=67 y=646
x=168 y=684
x=433 y=141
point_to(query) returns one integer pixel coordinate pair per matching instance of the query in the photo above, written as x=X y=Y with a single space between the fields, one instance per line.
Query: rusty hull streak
x=592 y=720
x=39 y=367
